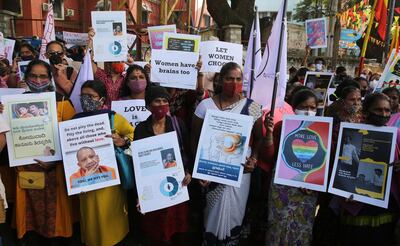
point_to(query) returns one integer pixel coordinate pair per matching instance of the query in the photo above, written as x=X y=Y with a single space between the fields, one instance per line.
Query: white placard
x=172 y=72
x=223 y=147
x=75 y=38
x=110 y=41
x=215 y=54
x=159 y=172
x=134 y=111
x=10 y=91
x=361 y=166
x=89 y=156
x=34 y=128
x=7 y=49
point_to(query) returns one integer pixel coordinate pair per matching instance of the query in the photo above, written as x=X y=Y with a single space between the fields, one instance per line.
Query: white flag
x=256 y=49
x=49 y=33
x=85 y=73
x=264 y=83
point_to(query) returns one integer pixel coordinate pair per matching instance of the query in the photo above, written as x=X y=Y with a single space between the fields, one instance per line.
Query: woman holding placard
x=295 y=204
x=169 y=224
x=104 y=219
x=226 y=205
x=371 y=225
x=38 y=224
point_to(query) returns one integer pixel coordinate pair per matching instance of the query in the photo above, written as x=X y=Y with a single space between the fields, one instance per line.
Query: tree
x=240 y=12
x=310 y=9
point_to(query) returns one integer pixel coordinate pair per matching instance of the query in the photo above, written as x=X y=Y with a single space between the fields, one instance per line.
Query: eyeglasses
x=38 y=76
x=59 y=53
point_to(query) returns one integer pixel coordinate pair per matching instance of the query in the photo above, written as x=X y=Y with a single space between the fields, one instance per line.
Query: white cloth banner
x=85 y=73
x=75 y=38
x=49 y=33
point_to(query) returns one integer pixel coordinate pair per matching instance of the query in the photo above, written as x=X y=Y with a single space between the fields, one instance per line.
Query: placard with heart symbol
x=303 y=151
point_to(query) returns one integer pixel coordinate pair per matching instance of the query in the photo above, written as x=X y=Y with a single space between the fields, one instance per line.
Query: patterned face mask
x=89 y=104
x=34 y=87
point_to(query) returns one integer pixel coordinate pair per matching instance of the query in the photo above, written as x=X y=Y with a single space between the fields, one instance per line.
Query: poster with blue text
x=223 y=147
x=304 y=150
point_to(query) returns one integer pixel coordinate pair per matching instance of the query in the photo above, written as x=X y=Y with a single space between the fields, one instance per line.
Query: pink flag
x=49 y=33
x=264 y=82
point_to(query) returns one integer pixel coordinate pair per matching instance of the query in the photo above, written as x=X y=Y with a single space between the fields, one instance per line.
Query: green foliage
x=310 y=9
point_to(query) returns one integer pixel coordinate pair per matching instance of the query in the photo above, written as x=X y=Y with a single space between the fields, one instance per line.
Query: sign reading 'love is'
x=303 y=151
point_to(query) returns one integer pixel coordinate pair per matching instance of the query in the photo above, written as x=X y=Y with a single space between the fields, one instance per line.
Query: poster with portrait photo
x=22 y=65
x=88 y=156
x=304 y=151
x=319 y=82
x=361 y=167
x=110 y=41
x=34 y=128
x=159 y=172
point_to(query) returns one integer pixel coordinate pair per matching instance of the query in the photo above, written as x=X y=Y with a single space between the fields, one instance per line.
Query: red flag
x=381 y=17
x=397 y=10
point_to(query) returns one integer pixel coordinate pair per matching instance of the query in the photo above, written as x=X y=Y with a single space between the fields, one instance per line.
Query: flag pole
x=278 y=63
x=366 y=38
x=253 y=52
x=392 y=4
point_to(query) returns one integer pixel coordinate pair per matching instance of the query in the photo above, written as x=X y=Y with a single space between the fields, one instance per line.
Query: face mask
x=118 y=67
x=318 y=67
x=34 y=87
x=373 y=83
x=230 y=89
x=89 y=104
x=305 y=112
x=352 y=109
x=301 y=81
x=137 y=86
x=27 y=58
x=377 y=120
x=160 y=111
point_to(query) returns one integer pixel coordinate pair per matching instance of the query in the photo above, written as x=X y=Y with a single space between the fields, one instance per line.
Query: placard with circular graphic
x=115 y=48
x=169 y=186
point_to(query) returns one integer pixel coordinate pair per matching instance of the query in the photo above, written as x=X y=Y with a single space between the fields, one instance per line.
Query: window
x=14 y=6
x=58 y=9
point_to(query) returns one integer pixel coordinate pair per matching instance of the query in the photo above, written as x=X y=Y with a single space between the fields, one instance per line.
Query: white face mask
x=305 y=112
x=318 y=67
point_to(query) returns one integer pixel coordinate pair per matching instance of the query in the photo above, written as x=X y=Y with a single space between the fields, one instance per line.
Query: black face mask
x=55 y=59
x=377 y=120
x=27 y=58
